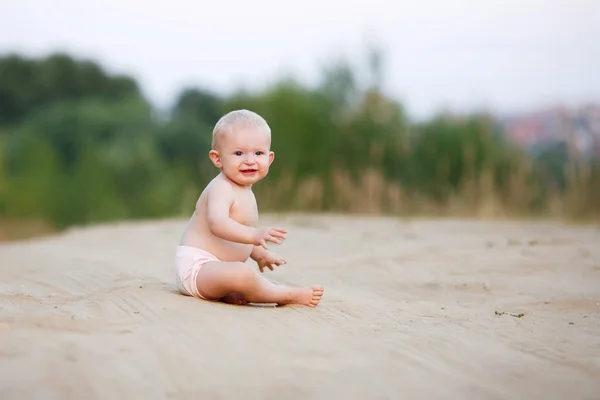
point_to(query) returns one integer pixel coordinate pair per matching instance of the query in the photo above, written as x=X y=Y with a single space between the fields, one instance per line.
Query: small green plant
x=520 y=315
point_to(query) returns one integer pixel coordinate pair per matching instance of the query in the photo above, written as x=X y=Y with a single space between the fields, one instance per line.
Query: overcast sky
x=462 y=54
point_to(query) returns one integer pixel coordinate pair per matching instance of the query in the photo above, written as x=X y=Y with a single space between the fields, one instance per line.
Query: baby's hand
x=270 y=260
x=274 y=235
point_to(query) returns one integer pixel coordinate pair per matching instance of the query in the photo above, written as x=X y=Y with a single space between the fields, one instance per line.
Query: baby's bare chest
x=245 y=210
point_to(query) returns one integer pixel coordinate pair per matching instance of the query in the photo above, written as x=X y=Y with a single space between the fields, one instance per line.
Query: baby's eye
x=259 y=153
x=238 y=153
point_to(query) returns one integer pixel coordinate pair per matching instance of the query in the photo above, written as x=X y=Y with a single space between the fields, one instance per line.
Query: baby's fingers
x=279 y=261
x=276 y=233
x=272 y=240
x=276 y=263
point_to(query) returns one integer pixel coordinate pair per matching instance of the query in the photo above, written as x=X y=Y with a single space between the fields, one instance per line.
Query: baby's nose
x=251 y=159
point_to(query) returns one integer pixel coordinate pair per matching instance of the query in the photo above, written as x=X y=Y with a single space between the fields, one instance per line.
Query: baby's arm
x=265 y=258
x=258 y=253
x=220 y=198
x=219 y=201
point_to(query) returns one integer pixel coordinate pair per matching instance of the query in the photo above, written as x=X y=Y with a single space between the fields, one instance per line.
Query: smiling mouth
x=249 y=171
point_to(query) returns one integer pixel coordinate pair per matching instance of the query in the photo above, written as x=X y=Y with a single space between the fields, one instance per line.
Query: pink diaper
x=188 y=261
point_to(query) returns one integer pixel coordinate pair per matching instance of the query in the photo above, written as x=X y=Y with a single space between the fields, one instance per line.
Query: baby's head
x=241 y=147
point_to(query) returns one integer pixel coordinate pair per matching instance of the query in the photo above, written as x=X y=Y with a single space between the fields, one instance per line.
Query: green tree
x=28 y=84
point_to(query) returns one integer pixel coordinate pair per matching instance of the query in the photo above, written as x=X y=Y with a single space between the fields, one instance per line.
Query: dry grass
x=476 y=197
x=17 y=230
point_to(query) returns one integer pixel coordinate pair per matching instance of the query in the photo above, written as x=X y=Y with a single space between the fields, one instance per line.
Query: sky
x=461 y=55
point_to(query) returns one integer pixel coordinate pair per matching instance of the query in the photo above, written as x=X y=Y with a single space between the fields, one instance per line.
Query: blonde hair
x=238 y=118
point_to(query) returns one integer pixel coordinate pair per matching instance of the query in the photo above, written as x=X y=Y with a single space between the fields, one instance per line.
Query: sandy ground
x=412 y=309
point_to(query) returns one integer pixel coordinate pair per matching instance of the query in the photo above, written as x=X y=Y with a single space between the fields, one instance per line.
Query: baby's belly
x=222 y=249
x=229 y=251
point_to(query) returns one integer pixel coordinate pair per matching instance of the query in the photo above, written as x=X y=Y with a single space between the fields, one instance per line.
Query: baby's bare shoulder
x=219 y=190
x=218 y=184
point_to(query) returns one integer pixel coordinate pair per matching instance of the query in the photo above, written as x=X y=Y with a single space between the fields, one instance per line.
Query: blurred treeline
x=80 y=145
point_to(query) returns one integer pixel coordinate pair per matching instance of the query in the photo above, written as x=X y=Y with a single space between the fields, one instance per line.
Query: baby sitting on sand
x=222 y=233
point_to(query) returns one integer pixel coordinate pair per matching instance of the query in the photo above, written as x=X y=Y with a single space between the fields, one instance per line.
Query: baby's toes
x=317 y=289
x=316 y=297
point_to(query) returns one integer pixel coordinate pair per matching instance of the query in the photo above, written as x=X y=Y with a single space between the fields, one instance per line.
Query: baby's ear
x=271 y=157
x=215 y=158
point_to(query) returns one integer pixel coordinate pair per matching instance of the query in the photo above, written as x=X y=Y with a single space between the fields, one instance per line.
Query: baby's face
x=245 y=156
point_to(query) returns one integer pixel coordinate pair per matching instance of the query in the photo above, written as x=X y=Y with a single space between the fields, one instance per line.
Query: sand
x=412 y=309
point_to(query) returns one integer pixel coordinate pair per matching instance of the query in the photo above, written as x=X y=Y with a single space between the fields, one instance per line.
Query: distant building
x=579 y=127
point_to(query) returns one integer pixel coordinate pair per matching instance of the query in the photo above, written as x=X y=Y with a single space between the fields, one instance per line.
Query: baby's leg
x=216 y=280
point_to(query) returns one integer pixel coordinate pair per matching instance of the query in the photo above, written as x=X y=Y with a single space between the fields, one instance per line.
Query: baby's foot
x=235 y=298
x=308 y=296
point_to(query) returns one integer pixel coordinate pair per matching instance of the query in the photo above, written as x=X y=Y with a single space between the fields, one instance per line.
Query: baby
x=221 y=234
